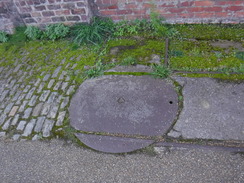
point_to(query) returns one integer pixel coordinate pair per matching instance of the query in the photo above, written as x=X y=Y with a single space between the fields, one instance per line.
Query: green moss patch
x=191 y=55
x=46 y=56
x=141 y=50
x=211 y=31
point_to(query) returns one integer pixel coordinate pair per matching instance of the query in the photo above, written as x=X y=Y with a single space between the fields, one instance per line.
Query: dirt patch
x=115 y=50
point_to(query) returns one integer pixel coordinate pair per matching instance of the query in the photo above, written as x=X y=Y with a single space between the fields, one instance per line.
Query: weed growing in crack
x=95 y=71
x=3 y=37
x=33 y=33
x=129 y=61
x=160 y=71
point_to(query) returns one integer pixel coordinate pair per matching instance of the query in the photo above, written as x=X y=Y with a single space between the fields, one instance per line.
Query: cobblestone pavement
x=30 y=110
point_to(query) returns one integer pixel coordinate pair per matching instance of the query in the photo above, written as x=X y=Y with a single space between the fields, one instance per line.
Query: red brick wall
x=43 y=12
x=175 y=11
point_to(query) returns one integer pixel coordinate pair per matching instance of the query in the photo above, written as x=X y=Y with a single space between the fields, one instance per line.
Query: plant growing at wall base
x=161 y=29
x=3 y=37
x=56 y=31
x=18 y=36
x=94 y=33
x=33 y=33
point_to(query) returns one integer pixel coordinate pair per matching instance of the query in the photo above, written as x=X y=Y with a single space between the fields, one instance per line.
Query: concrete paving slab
x=135 y=105
x=111 y=144
x=213 y=109
x=136 y=68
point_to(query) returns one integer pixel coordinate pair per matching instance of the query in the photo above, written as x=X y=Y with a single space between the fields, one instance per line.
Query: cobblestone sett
x=41 y=86
x=8 y=81
x=6 y=124
x=46 y=108
x=64 y=103
x=8 y=73
x=15 y=120
x=74 y=66
x=13 y=110
x=27 y=113
x=52 y=97
x=14 y=89
x=61 y=77
x=2 y=118
x=26 y=88
x=21 y=125
x=8 y=108
x=47 y=127
x=29 y=127
x=39 y=124
x=67 y=78
x=46 y=77
x=21 y=79
x=60 y=119
x=64 y=86
x=44 y=95
x=17 y=68
x=50 y=84
x=16 y=137
x=70 y=90
x=55 y=73
x=33 y=100
x=58 y=99
x=36 y=137
x=58 y=84
x=37 y=109
x=30 y=93
x=16 y=96
x=68 y=64
x=12 y=84
x=4 y=94
x=53 y=111
x=37 y=82
x=22 y=107
x=21 y=97
x=2 y=105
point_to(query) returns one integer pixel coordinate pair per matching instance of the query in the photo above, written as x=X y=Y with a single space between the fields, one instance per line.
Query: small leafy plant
x=95 y=71
x=33 y=33
x=56 y=31
x=129 y=61
x=240 y=55
x=3 y=37
x=132 y=28
x=160 y=71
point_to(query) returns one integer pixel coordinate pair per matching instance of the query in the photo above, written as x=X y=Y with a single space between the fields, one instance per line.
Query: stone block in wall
x=9 y=16
x=55 y=10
